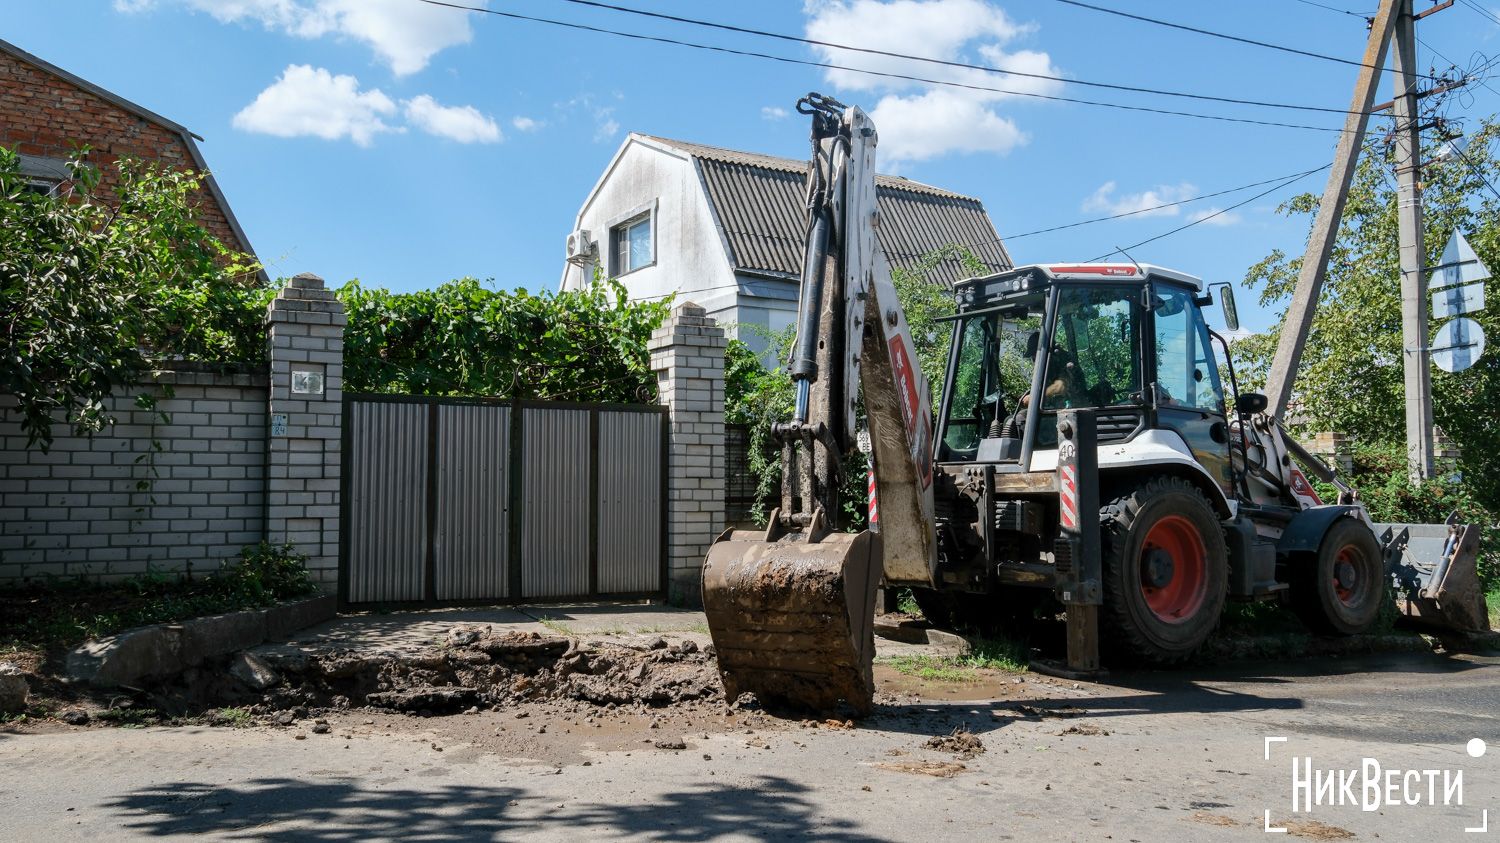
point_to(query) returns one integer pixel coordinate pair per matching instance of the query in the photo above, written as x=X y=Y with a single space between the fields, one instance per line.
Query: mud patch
x=960 y=742
x=937 y=769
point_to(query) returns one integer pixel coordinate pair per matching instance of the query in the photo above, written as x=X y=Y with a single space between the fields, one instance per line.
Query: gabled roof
x=758 y=201
x=188 y=137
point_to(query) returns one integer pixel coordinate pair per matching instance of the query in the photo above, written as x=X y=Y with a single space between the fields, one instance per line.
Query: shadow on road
x=284 y=809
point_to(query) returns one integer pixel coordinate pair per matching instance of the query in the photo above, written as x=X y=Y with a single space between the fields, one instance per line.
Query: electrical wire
x=1226 y=37
x=944 y=62
x=1152 y=208
x=1335 y=9
x=1208 y=217
x=1482 y=11
x=902 y=76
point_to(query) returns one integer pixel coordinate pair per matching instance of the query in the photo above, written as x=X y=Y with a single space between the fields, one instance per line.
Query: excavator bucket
x=1436 y=571
x=793 y=620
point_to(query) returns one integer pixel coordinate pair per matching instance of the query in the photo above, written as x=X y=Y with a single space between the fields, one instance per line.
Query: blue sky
x=405 y=144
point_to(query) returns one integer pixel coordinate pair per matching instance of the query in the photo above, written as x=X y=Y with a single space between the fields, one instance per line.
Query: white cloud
x=1206 y=216
x=461 y=123
x=969 y=31
x=308 y=100
x=526 y=124
x=1144 y=203
x=771 y=112
x=406 y=34
x=916 y=128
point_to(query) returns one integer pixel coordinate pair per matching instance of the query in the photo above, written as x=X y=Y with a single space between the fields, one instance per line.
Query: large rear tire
x=1339 y=592
x=1165 y=571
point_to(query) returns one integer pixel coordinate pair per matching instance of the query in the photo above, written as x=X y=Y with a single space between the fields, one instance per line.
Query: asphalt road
x=1145 y=757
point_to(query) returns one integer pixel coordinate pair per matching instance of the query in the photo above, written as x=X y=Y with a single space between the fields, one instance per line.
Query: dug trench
x=525 y=695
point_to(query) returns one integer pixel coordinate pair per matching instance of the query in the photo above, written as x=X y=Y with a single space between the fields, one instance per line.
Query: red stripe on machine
x=1068 y=500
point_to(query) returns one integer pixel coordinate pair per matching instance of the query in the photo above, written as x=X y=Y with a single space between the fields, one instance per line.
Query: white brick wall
x=181 y=488
x=77 y=509
x=687 y=355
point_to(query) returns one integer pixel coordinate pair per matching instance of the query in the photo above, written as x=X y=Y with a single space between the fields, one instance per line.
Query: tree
x=97 y=288
x=758 y=397
x=1351 y=378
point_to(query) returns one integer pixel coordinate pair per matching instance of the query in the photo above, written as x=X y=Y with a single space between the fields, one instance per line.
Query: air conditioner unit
x=580 y=247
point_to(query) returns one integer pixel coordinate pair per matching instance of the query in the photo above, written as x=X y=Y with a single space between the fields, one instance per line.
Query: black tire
x=1162 y=600
x=1007 y=611
x=1339 y=591
x=938 y=607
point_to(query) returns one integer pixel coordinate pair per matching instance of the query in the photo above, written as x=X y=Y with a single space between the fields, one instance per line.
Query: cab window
x=1186 y=375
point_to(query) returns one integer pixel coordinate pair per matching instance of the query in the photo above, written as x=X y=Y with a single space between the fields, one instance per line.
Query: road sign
x=1459 y=344
x=1459 y=264
x=1456 y=301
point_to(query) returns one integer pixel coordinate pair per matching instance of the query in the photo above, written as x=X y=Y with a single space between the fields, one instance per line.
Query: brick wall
x=77 y=509
x=45 y=115
x=687 y=354
x=223 y=461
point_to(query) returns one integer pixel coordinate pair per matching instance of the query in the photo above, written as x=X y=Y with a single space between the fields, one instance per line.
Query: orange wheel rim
x=1174 y=569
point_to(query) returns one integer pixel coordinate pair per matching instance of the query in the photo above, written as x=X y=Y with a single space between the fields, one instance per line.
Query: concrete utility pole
x=1415 y=354
x=1299 y=316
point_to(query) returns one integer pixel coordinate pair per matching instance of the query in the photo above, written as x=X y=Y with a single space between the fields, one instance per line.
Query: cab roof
x=1092 y=272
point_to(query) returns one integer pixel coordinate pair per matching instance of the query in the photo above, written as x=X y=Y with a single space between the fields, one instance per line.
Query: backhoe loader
x=1085 y=449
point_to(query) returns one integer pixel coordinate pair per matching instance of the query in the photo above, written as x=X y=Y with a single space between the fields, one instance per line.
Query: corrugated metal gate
x=469 y=500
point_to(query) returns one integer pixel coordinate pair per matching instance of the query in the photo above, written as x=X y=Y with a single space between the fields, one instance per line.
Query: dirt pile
x=960 y=742
x=474 y=667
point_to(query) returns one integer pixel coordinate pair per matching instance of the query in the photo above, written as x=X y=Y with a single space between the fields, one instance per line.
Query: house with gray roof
x=724 y=229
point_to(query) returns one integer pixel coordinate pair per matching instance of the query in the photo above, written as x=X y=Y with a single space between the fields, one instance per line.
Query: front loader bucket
x=1436 y=571
x=792 y=620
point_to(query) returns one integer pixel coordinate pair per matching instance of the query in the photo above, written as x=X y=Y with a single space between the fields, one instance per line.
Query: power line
x=1204 y=219
x=1294 y=176
x=1335 y=9
x=781 y=36
x=885 y=74
x=1483 y=12
x=1226 y=37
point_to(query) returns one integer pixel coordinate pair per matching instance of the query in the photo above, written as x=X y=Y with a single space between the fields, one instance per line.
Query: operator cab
x=1073 y=335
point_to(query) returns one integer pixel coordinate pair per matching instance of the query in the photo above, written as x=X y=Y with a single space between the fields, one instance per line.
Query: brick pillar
x=306 y=353
x=687 y=354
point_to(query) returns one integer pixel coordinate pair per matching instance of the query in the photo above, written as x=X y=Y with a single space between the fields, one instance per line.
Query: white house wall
x=689 y=254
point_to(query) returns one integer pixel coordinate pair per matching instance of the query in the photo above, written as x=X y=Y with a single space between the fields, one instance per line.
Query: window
x=41 y=186
x=1185 y=372
x=632 y=244
x=1092 y=363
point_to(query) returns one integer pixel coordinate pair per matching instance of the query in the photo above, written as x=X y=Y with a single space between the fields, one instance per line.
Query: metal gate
x=451 y=500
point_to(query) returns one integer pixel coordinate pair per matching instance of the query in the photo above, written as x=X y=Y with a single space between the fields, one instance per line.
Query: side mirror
x=1226 y=301
x=1250 y=403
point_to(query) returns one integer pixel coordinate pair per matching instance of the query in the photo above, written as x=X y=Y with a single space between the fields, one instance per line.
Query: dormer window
x=632 y=244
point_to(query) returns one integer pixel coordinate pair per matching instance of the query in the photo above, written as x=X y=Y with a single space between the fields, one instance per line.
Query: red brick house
x=45 y=112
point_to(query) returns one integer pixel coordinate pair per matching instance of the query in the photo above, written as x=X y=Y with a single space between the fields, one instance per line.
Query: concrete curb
x=163 y=650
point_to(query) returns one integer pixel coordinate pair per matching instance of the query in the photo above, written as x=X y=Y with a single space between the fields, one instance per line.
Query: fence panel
x=471 y=543
x=630 y=503
x=465 y=500
x=385 y=502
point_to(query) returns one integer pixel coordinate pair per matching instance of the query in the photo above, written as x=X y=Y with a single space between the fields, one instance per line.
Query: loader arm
x=791 y=610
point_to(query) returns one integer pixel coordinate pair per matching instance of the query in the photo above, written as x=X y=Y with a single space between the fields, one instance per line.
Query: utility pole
x=1414 y=346
x=1299 y=316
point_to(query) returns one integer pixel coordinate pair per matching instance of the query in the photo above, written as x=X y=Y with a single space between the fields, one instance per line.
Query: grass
x=1492 y=600
x=558 y=627
x=998 y=654
x=239 y=718
x=906 y=603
